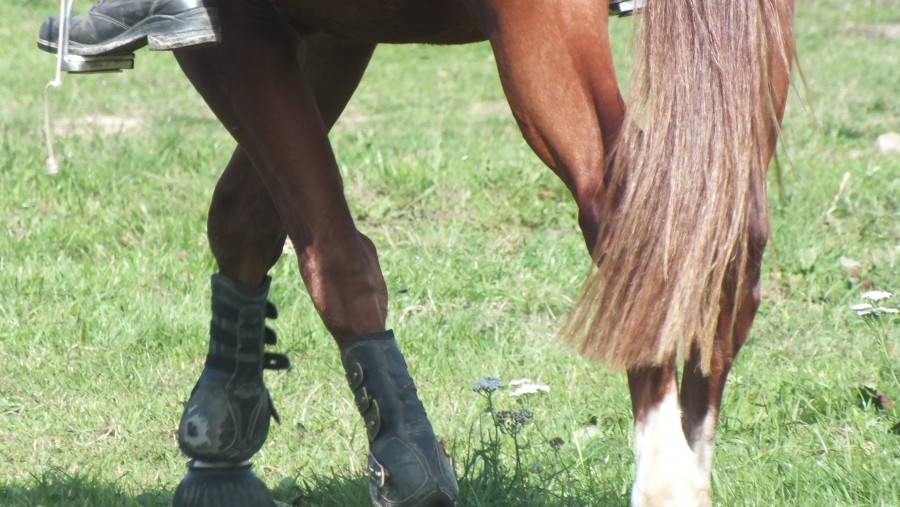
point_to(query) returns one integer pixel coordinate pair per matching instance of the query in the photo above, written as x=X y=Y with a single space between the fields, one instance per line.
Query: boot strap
x=228 y=324
x=365 y=403
x=271 y=361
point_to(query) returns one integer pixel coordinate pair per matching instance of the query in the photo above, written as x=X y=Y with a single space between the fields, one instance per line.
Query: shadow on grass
x=57 y=488
x=479 y=491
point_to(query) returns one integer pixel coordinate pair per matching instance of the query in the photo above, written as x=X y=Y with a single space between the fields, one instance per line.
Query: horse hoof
x=221 y=485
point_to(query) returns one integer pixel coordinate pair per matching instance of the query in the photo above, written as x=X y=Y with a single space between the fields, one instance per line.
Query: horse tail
x=686 y=174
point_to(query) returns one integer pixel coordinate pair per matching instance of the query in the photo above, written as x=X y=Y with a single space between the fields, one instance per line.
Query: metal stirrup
x=623 y=8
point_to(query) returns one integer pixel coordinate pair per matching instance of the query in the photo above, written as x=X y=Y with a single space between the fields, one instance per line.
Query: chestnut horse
x=670 y=190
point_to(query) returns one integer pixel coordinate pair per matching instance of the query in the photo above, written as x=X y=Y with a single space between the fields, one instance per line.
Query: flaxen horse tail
x=684 y=178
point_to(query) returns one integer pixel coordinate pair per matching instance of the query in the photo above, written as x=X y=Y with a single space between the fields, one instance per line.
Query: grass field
x=104 y=285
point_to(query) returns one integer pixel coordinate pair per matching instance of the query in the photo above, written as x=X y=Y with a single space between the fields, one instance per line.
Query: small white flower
x=876 y=295
x=529 y=389
x=518 y=382
x=865 y=310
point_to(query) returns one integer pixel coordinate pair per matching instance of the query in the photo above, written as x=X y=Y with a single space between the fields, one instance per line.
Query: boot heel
x=204 y=29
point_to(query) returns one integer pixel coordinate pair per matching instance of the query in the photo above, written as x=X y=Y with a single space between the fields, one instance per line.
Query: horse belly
x=387 y=21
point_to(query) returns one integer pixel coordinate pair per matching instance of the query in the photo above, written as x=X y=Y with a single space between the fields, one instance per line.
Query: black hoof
x=221 y=485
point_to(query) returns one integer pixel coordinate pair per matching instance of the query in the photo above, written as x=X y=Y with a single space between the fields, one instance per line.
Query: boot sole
x=159 y=32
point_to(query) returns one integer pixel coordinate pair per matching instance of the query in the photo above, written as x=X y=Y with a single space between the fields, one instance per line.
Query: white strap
x=62 y=50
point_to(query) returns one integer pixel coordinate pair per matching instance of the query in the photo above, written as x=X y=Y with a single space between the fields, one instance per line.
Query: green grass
x=103 y=285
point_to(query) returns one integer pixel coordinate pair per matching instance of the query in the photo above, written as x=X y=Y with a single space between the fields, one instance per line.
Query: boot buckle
x=377 y=472
x=373 y=421
x=355 y=376
x=363 y=400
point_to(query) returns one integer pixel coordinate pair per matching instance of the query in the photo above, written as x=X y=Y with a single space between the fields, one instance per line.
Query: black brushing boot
x=226 y=419
x=407 y=467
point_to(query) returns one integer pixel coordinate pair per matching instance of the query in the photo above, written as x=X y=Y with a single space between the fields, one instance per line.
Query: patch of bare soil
x=353 y=117
x=96 y=124
x=883 y=31
x=492 y=109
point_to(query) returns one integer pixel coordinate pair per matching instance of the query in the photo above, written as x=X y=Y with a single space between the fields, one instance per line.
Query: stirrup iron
x=624 y=8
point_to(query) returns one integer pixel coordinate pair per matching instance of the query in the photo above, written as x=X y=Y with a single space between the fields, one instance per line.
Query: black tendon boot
x=226 y=419
x=407 y=467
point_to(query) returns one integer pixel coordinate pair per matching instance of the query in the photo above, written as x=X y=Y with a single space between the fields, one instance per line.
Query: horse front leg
x=246 y=237
x=243 y=227
x=279 y=109
x=226 y=419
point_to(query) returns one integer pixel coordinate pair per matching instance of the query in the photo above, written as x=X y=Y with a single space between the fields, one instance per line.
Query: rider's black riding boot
x=226 y=419
x=121 y=26
x=407 y=467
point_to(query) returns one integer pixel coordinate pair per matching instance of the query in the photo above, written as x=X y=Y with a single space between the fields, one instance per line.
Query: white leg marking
x=705 y=442
x=667 y=473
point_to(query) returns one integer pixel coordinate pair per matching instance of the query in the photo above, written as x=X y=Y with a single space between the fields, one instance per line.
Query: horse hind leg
x=572 y=134
x=568 y=107
x=701 y=393
x=666 y=473
x=675 y=429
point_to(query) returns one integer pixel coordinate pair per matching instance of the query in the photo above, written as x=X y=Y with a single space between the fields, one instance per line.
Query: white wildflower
x=891 y=311
x=861 y=307
x=529 y=388
x=876 y=295
x=519 y=382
